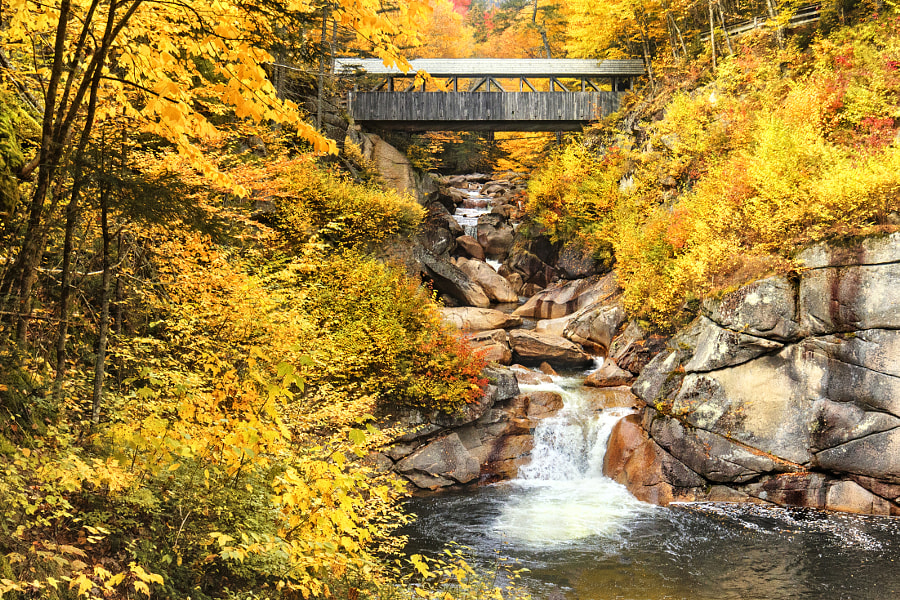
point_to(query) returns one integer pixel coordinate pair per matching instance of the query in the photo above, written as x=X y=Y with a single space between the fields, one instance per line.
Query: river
x=583 y=536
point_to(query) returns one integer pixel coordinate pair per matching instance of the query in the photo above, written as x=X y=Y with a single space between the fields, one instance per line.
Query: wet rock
x=565 y=298
x=440 y=463
x=496 y=240
x=609 y=375
x=537 y=347
x=626 y=436
x=546 y=369
x=653 y=475
x=766 y=308
x=791 y=489
x=541 y=405
x=595 y=325
x=470 y=246
x=496 y=287
x=611 y=397
x=467 y=318
x=710 y=455
x=451 y=280
x=848 y=496
x=553 y=326
x=525 y=376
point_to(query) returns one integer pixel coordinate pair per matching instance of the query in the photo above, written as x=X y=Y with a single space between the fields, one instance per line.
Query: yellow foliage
x=738 y=174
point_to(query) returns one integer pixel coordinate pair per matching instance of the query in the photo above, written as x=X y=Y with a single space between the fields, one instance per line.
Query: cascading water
x=565 y=496
x=467 y=214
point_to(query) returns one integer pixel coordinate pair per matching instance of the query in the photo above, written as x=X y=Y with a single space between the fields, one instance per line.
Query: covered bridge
x=488 y=94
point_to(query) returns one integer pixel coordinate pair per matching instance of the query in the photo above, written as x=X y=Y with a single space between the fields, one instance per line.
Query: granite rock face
x=786 y=390
x=489 y=442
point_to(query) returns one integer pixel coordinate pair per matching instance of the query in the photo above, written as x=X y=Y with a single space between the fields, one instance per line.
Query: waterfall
x=571 y=445
x=562 y=495
x=473 y=207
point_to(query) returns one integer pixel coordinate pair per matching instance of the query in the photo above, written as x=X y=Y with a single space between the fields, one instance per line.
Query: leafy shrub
x=316 y=205
x=374 y=332
x=738 y=174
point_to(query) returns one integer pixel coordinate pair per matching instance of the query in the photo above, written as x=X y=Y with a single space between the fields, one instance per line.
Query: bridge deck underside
x=481 y=111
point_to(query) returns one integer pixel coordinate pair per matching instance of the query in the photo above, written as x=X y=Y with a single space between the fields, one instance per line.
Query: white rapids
x=561 y=495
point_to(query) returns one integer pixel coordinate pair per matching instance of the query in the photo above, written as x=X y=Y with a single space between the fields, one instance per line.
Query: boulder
x=624 y=439
x=529 y=267
x=634 y=348
x=534 y=347
x=658 y=379
x=440 y=463
x=467 y=318
x=576 y=262
x=609 y=375
x=470 y=246
x=610 y=397
x=595 y=325
x=653 y=475
x=525 y=376
x=492 y=345
x=546 y=369
x=496 y=287
x=495 y=353
x=496 y=240
x=540 y=405
x=848 y=496
x=553 y=326
x=449 y=279
x=791 y=489
x=565 y=298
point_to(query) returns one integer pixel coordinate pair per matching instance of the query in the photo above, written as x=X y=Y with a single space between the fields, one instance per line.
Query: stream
x=583 y=536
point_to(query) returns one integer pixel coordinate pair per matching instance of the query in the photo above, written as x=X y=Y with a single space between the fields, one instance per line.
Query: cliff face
x=783 y=391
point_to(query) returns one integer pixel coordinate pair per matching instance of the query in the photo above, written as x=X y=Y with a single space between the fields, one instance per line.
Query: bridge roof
x=499 y=67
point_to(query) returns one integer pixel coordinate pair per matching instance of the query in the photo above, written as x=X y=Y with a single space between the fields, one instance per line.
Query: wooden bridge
x=488 y=94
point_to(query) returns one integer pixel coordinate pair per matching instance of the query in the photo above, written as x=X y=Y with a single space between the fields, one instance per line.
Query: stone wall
x=786 y=390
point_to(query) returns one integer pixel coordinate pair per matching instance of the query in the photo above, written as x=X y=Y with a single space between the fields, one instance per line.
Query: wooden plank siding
x=476 y=111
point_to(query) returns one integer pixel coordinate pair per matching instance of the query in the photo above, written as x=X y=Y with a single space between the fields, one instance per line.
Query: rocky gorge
x=781 y=391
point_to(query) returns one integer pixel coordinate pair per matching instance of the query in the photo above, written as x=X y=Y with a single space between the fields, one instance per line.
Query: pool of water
x=583 y=536
x=579 y=545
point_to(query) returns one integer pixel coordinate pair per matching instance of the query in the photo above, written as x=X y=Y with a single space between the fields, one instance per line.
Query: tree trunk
x=712 y=34
x=779 y=32
x=100 y=363
x=725 y=30
x=321 y=95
